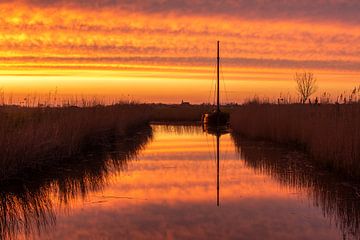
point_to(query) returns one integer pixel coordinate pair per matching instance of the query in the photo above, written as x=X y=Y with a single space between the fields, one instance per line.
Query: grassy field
x=31 y=138
x=330 y=132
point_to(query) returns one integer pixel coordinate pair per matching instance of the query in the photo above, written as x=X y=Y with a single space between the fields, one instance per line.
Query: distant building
x=184 y=103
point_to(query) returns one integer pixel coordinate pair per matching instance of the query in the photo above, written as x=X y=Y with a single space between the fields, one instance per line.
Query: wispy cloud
x=320 y=10
x=117 y=62
x=315 y=34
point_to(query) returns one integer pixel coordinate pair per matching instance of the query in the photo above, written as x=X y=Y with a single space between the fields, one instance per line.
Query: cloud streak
x=156 y=36
x=116 y=62
x=74 y=32
x=319 y=10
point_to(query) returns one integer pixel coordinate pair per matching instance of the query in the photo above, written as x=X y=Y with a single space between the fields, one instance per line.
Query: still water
x=166 y=183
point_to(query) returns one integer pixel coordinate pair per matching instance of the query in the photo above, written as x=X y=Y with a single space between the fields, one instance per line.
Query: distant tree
x=306 y=85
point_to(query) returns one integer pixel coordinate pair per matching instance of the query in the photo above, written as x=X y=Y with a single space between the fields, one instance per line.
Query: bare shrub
x=305 y=85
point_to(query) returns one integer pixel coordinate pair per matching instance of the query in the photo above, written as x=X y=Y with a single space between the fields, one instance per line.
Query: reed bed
x=183 y=113
x=336 y=196
x=60 y=184
x=32 y=138
x=330 y=132
x=177 y=113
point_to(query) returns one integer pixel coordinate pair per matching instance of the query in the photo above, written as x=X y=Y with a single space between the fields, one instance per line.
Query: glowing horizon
x=165 y=51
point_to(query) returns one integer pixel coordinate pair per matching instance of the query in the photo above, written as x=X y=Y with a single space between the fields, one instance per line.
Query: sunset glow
x=164 y=51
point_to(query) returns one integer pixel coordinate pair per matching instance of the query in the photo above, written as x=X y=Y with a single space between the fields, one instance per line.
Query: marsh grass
x=31 y=138
x=37 y=197
x=183 y=113
x=336 y=196
x=34 y=137
x=178 y=113
x=330 y=132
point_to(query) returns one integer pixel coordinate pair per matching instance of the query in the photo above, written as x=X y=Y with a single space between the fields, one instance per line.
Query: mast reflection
x=217 y=131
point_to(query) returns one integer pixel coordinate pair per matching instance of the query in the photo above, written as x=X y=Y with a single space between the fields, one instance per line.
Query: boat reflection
x=338 y=198
x=27 y=206
x=170 y=192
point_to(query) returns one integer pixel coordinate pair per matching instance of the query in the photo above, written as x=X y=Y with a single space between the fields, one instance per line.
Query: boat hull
x=216 y=119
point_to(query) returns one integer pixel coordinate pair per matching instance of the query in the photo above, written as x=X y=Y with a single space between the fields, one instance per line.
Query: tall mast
x=218 y=76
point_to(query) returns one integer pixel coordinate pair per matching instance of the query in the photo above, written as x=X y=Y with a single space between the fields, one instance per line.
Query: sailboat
x=217 y=118
x=217 y=123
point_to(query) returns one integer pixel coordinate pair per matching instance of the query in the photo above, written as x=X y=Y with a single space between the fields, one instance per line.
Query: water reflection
x=179 y=129
x=28 y=207
x=338 y=198
x=173 y=188
x=25 y=211
x=217 y=132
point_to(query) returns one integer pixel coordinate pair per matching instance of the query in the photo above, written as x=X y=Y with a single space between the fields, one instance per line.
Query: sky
x=165 y=50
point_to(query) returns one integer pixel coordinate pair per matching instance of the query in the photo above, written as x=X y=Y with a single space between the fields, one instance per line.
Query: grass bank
x=37 y=195
x=336 y=196
x=182 y=113
x=330 y=133
x=32 y=138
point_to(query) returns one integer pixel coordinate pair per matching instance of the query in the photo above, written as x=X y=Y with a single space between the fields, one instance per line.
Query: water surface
x=165 y=186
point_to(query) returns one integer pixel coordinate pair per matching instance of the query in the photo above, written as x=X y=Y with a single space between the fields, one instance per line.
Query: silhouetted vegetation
x=31 y=138
x=178 y=113
x=28 y=205
x=305 y=85
x=330 y=133
x=337 y=197
x=36 y=136
x=183 y=113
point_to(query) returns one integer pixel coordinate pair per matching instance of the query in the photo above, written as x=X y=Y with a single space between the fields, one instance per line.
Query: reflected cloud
x=170 y=197
x=28 y=206
x=25 y=212
x=243 y=219
x=338 y=198
x=265 y=191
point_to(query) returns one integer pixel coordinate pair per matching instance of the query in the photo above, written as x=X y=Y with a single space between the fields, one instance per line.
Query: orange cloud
x=152 y=39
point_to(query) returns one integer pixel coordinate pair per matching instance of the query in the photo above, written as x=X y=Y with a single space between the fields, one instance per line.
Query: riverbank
x=183 y=113
x=33 y=138
x=329 y=133
x=64 y=182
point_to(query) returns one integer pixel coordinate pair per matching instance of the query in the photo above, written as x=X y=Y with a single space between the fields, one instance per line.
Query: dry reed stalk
x=33 y=137
x=330 y=133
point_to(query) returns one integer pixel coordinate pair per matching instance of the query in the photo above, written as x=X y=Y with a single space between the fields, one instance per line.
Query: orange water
x=169 y=191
